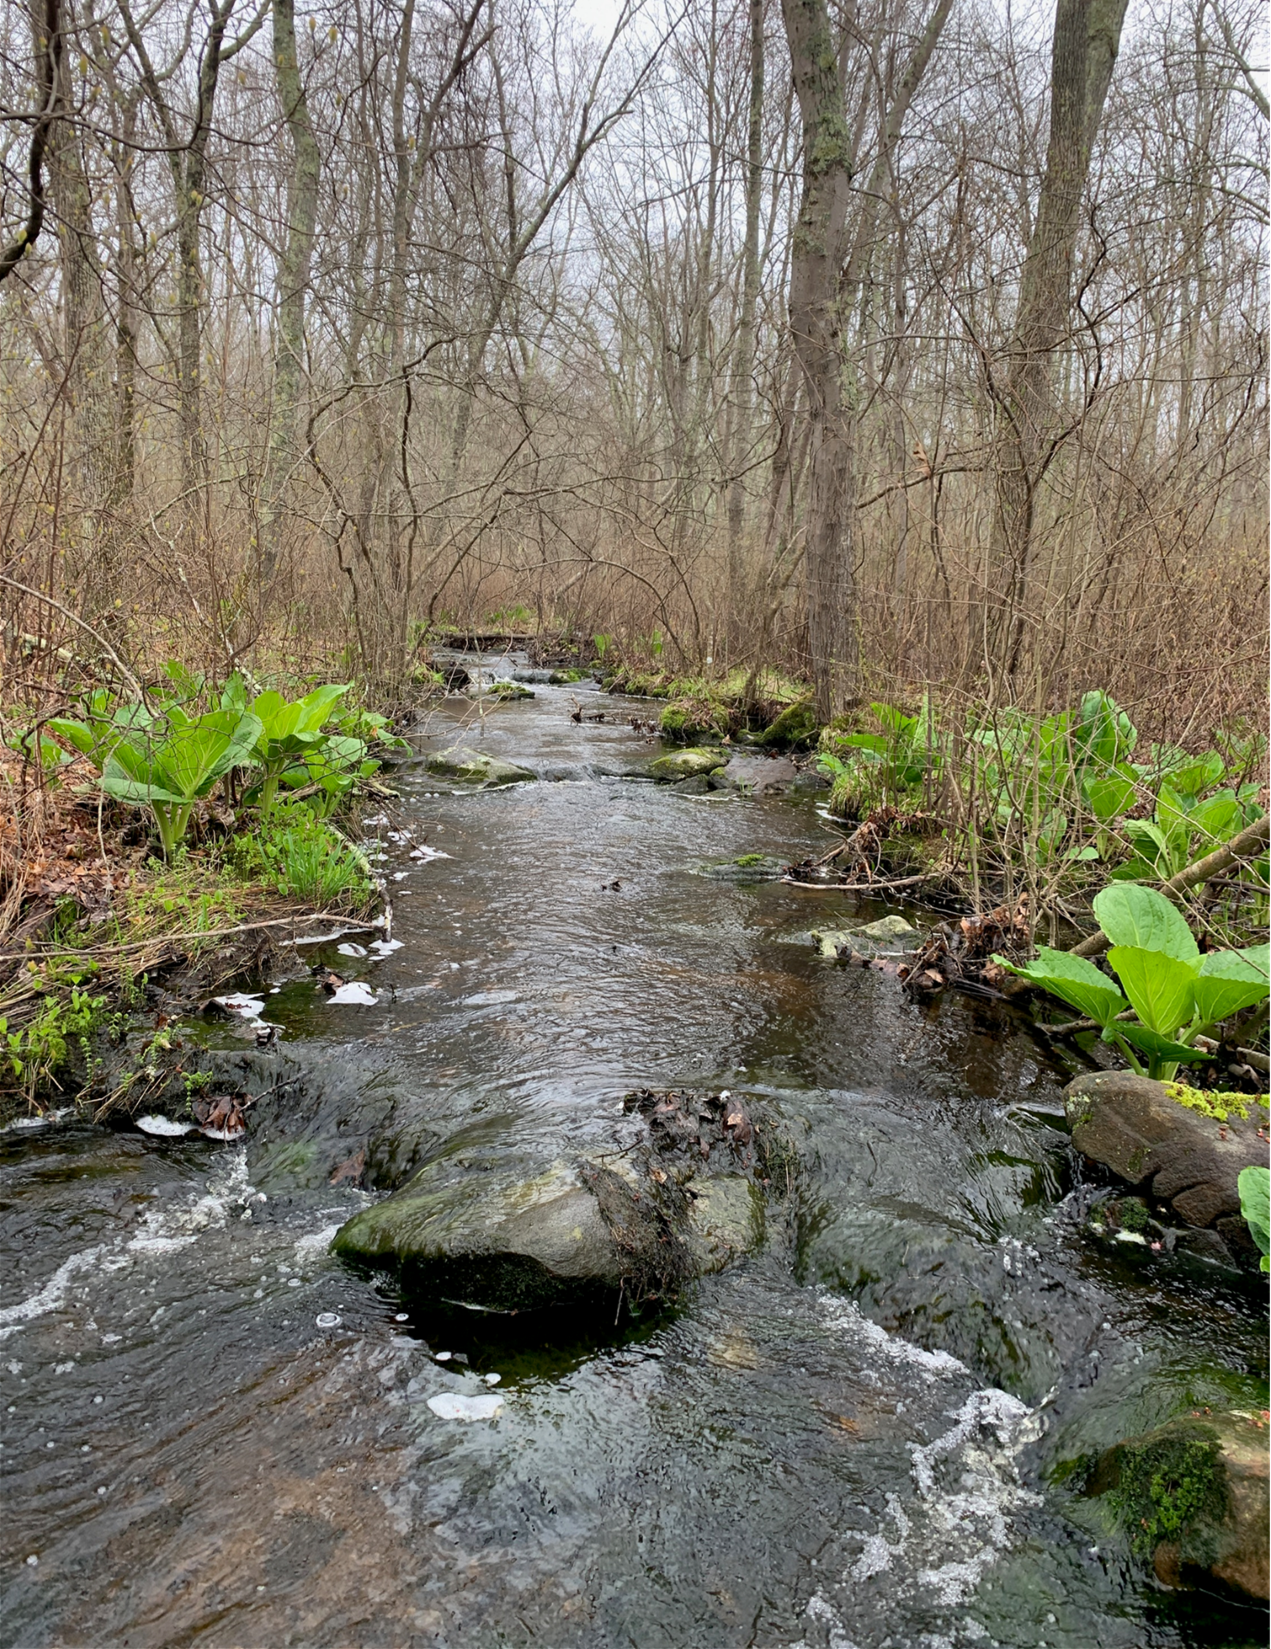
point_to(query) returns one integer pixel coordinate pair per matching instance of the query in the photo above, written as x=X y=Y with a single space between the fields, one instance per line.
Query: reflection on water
x=217 y=1435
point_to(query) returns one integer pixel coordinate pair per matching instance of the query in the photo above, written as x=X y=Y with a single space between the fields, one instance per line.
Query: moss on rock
x=695 y=762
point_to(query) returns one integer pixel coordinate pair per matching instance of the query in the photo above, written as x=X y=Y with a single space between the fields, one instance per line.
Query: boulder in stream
x=670 y=1194
x=1187 y=1157
x=697 y=761
x=475 y=767
x=886 y=936
x=1192 y=1496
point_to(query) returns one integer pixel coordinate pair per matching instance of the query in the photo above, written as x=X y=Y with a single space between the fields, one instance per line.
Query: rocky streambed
x=604 y=1263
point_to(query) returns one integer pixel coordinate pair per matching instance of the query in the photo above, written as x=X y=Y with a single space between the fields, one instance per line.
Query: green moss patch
x=1220 y=1107
x=1171 y=1487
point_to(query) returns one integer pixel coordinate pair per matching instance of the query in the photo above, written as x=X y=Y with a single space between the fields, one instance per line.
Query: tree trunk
x=818 y=251
x=749 y=303
x=1087 y=38
x=293 y=284
x=85 y=352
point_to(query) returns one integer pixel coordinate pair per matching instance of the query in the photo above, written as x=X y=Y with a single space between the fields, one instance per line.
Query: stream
x=216 y=1434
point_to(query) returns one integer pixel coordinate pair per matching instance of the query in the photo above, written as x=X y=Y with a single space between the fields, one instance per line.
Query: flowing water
x=218 y=1435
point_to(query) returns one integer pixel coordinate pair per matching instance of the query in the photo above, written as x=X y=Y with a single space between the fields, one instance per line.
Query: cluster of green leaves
x=32 y=1054
x=300 y=856
x=1069 y=782
x=163 y=754
x=1173 y=992
x=888 y=763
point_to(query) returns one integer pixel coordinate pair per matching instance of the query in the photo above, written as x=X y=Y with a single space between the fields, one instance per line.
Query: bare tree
x=1029 y=428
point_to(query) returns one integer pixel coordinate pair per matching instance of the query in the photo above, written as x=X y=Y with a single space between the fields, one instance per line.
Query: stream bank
x=867 y=1431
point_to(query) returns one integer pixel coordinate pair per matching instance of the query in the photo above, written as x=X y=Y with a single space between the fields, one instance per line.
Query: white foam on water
x=355 y=994
x=22 y=1125
x=314 y=1240
x=423 y=853
x=943 y=1542
x=250 y=1007
x=350 y=950
x=844 y=1316
x=167 y=1228
x=163 y=1127
x=987 y=1434
x=451 y=1405
x=386 y=947
x=52 y=1295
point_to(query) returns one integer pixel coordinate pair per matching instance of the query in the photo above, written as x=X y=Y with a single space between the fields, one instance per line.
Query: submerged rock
x=748 y=867
x=474 y=767
x=506 y=690
x=696 y=761
x=495 y=1224
x=1192 y=1496
x=873 y=939
x=1178 y=1155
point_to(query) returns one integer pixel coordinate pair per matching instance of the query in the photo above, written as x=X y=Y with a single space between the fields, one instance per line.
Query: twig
x=859 y=887
x=176 y=938
x=1247 y=845
x=38 y=595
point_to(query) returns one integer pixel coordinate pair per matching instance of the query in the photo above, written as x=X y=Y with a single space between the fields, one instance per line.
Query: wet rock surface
x=1193 y=1496
x=886 y=937
x=670 y=1194
x=695 y=762
x=1180 y=1157
x=476 y=767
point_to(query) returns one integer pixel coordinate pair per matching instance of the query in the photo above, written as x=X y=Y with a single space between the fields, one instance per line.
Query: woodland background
x=737 y=336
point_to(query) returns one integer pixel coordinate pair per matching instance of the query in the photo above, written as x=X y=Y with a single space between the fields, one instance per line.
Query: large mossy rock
x=474 y=767
x=1193 y=1496
x=796 y=725
x=1177 y=1154
x=689 y=720
x=498 y=1223
x=695 y=762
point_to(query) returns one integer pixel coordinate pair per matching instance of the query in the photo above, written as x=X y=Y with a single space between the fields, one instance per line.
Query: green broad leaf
x=234 y=693
x=74 y=732
x=1257 y=956
x=1105 y=734
x=1229 y=982
x=1215 y=818
x=186 y=764
x=1193 y=777
x=1146 y=833
x=1154 y=1045
x=1074 y=980
x=1135 y=869
x=1254 y=1186
x=866 y=741
x=1160 y=988
x=1083 y=854
x=895 y=721
x=1111 y=795
x=130 y=776
x=197 y=755
x=1141 y=917
x=289 y=727
x=1051 y=830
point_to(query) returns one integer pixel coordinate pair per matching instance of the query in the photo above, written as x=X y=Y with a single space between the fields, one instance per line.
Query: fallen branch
x=859 y=887
x=176 y=940
x=1247 y=845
